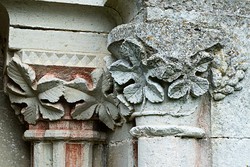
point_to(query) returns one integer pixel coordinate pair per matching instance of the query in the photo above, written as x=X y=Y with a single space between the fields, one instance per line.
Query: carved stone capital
x=163 y=59
x=44 y=85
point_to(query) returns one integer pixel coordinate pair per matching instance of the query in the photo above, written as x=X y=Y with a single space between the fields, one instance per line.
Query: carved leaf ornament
x=132 y=69
x=25 y=91
x=188 y=81
x=142 y=73
x=96 y=100
x=41 y=99
x=142 y=68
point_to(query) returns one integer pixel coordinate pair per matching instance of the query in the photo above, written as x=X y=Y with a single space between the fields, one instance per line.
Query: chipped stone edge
x=79 y=2
x=167 y=130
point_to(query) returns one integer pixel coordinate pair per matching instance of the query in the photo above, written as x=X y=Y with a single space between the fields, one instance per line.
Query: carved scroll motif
x=43 y=99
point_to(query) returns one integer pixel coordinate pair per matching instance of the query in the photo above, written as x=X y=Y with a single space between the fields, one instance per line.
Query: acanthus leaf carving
x=100 y=101
x=166 y=69
x=25 y=90
x=75 y=90
x=131 y=68
x=189 y=81
x=142 y=67
x=143 y=74
x=42 y=99
x=50 y=89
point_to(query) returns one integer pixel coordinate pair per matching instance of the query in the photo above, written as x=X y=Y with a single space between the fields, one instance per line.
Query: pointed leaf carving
x=84 y=111
x=75 y=90
x=133 y=68
x=154 y=92
x=25 y=91
x=97 y=101
x=103 y=111
x=190 y=83
x=127 y=72
x=50 y=89
x=178 y=89
x=199 y=86
x=51 y=111
x=31 y=112
x=22 y=74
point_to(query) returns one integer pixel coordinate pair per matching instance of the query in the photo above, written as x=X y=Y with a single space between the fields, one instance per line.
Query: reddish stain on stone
x=40 y=125
x=74 y=155
x=64 y=73
x=135 y=151
x=59 y=125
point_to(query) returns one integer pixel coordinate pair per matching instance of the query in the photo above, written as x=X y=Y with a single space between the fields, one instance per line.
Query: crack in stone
x=56 y=29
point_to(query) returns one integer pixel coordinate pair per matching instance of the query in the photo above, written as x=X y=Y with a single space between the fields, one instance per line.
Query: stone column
x=167 y=64
x=63 y=106
x=57 y=81
x=169 y=140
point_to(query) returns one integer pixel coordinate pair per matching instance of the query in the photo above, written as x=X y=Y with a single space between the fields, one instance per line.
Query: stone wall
x=176 y=91
x=13 y=150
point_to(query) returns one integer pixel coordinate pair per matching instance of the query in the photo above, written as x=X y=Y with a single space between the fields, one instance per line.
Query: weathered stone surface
x=218 y=7
x=128 y=9
x=230 y=117
x=161 y=41
x=39 y=15
x=14 y=151
x=182 y=30
x=167 y=151
x=41 y=96
x=122 y=147
x=170 y=50
x=145 y=54
x=57 y=41
x=121 y=153
x=167 y=130
x=230 y=152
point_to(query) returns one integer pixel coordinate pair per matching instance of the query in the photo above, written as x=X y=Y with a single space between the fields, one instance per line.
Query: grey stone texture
x=122 y=147
x=14 y=151
x=233 y=152
x=168 y=151
x=180 y=29
x=170 y=29
x=230 y=117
